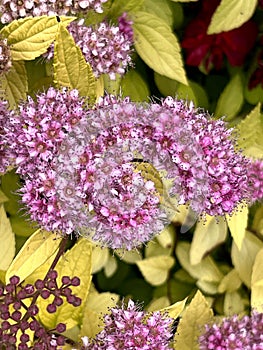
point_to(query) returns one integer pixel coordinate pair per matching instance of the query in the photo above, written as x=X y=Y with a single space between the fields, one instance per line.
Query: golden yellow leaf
x=70 y=68
x=155 y=269
x=111 y=266
x=237 y=224
x=207 y=235
x=230 y=282
x=100 y=257
x=196 y=315
x=243 y=259
x=37 y=249
x=96 y=306
x=16 y=86
x=175 y=310
x=3 y=197
x=257 y=282
x=206 y=270
x=7 y=237
x=231 y=14
x=158 y=46
x=159 y=303
x=233 y=304
x=31 y=36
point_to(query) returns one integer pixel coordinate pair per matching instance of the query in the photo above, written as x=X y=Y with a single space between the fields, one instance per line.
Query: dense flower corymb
x=210 y=49
x=234 y=333
x=255 y=180
x=5 y=157
x=34 y=133
x=107 y=48
x=14 y=9
x=129 y=328
x=122 y=207
x=106 y=172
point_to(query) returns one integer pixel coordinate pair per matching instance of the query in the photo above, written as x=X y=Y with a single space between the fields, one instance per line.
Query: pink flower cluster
x=5 y=159
x=107 y=48
x=255 y=180
x=14 y=9
x=234 y=333
x=93 y=170
x=129 y=328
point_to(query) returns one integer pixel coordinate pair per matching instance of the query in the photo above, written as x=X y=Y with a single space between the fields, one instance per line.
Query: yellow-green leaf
x=250 y=133
x=100 y=257
x=7 y=237
x=70 y=68
x=31 y=36
x=207 y=235
x=22 y=226
x=75 y=262
x=121 y=6
x=230 y=282
x=153 y=248
x=243 y=259
x=153 y=6
x=159 y=303
x=111 y=267
x=207 y=287
x=37 y=249
x=257 y=282
x=175 y=310
x=15 y=83
x=231 y=14
x=206 y=270
x=166 y=236
x=3 y=197
x=237 y=224
x=96 y=306
x=134 y=86
x=231 y=99
x=257 y=224
x=194 y=318
x=233 y=304
x=158 y=46
x=155 y=269
x=130 y=256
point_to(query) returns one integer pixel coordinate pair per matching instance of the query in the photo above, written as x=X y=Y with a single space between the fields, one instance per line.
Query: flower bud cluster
x=18 y=312
x=234 y=333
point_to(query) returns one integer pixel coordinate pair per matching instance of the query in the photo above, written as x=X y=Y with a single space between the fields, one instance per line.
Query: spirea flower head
x=14 y=9
x=121 y=206
x=106 y=172
x=37 y=129
x=234 y=333
x=125 y=25
x=5 y=157
x=130 y=328
x=227 y=168
x=255 y=180
x=107 y=48
x=5 y=56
